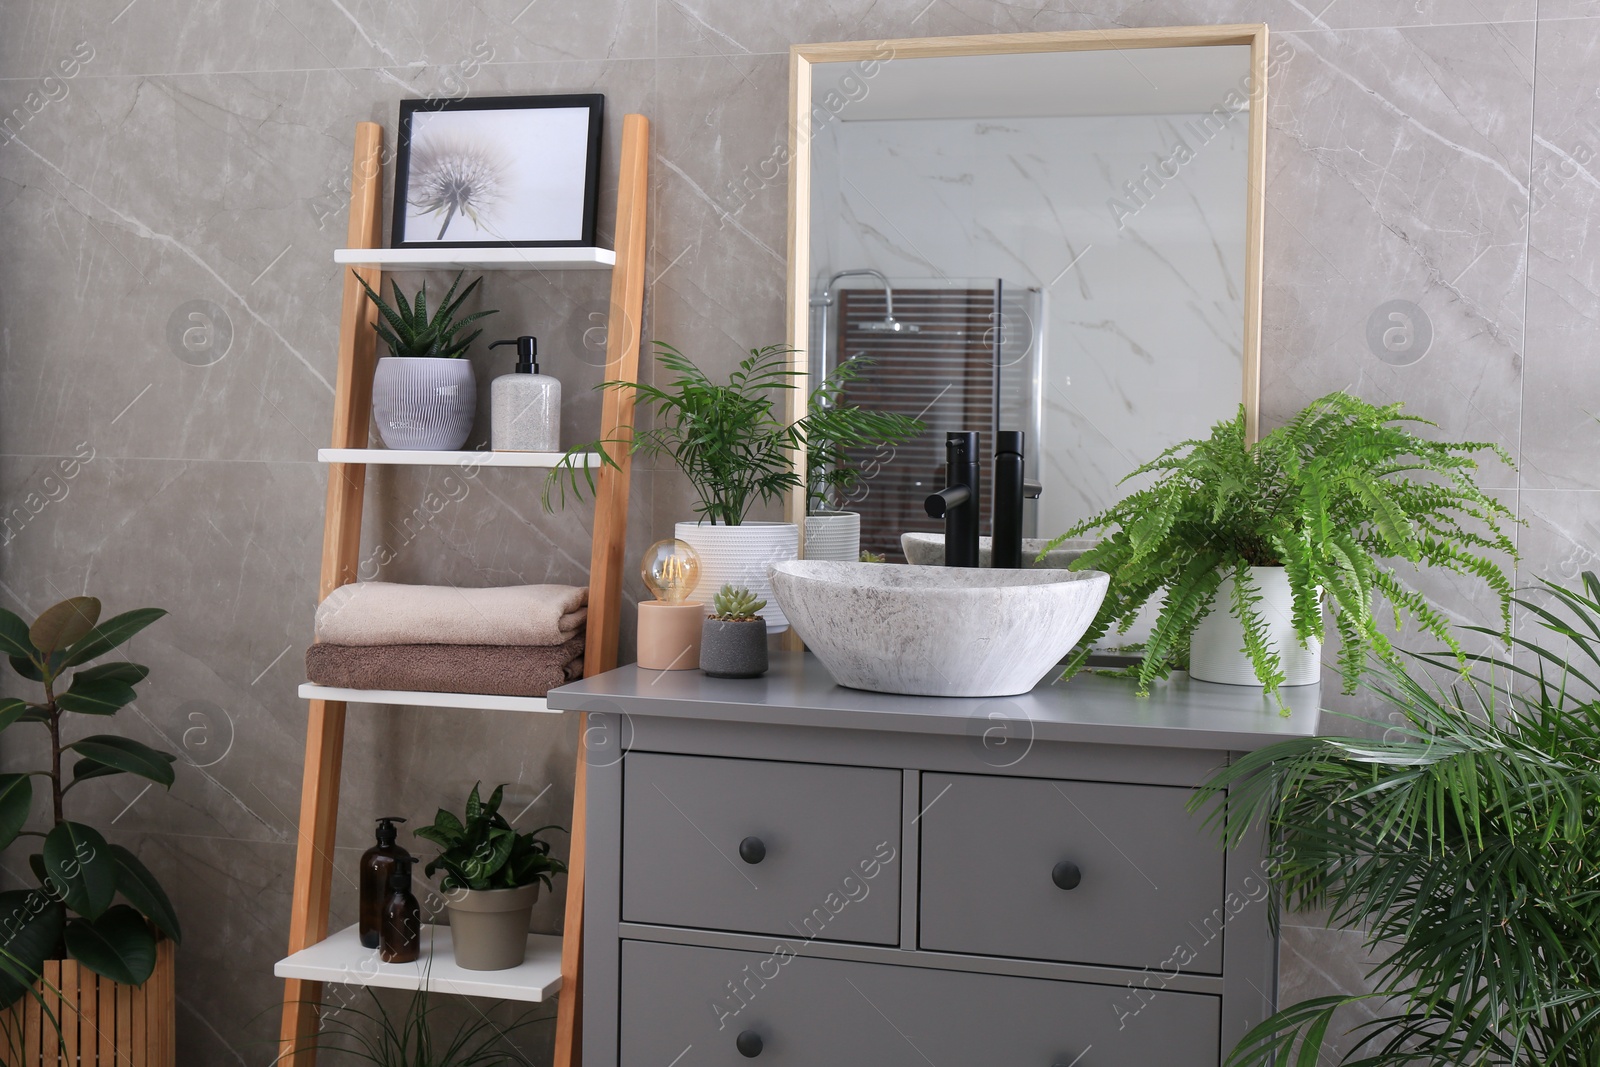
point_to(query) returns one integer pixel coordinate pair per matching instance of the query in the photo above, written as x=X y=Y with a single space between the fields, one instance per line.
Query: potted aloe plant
x=834 y=429
x=96 y=907
x=492 y=876
x=424 y=394
x=733 y=639
x=1249 y=542
x=1460 y=847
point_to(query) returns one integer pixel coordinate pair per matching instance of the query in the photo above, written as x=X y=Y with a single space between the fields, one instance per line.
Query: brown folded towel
x=386 y=613
x=494 y=670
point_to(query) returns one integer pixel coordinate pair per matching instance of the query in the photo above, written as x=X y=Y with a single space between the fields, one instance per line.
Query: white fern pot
x=423 y=403
x=1216 y=652
x=834 y=536
x=739 y=556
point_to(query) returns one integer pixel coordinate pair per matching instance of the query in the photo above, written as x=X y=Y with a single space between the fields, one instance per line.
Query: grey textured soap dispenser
x=525 y=406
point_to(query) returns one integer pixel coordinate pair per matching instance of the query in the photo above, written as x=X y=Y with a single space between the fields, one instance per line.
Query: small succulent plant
x=869 y=556
x=735 y=605
x=409 y=332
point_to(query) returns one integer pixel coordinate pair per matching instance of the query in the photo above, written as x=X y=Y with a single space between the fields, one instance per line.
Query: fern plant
x=410 y=333
x=1332 y=497
x=1461 y=846
x=735 y=605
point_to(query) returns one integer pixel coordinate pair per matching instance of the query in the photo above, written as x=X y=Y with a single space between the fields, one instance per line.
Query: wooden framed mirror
x=1059 y=233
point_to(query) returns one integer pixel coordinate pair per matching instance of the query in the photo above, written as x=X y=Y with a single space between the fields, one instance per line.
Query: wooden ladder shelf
x=341 y=543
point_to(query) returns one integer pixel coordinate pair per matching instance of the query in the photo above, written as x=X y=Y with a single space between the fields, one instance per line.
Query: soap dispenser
x=525 y=406
x=377 y=864
x=400 y=939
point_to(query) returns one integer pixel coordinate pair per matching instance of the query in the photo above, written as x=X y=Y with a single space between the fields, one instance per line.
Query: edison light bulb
x=671 y=569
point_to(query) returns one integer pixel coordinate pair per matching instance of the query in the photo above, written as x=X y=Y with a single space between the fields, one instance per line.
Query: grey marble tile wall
x=1439 y=152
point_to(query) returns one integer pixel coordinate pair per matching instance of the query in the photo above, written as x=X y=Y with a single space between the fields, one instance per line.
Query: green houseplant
x=424 y=394
x=1461 y=845
x=834 y=429
x=492 y=875
x=95 y=903
x=419 y=1034
x=1316 y=511
x=733 y=639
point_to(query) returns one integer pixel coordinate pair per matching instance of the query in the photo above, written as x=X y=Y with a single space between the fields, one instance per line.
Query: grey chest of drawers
x=788 y=871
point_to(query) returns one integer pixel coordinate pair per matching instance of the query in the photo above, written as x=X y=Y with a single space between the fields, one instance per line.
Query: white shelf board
x=404 y=698
x=342 y=959
x=409 y=457
x=479 y=258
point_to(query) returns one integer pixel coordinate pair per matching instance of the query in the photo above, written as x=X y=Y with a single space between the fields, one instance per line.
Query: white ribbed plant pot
x=739 y=556
x=834 y=536
x=1216 y=651
x=424 y=403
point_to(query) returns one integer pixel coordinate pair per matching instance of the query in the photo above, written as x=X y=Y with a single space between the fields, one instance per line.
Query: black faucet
x=957 y=504
x=1010 y=490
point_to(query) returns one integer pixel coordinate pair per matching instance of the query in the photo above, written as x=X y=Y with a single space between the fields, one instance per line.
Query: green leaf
x=128 y=755
x=129 y=673
x=96 y=696
x=27 y=668
x=119 y=945
x=79 y=868
x=16 y=801
x=140 y=888
x=85 y=769
x=11 y=710
x=110 y=634
x=14 y=637
x=60 y=625
x=30 y=929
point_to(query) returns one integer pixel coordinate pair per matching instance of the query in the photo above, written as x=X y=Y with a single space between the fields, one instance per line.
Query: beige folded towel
x=496 y=670
x=386 y=613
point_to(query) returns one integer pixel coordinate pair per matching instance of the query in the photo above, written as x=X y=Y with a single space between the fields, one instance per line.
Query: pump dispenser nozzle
x=527 y=353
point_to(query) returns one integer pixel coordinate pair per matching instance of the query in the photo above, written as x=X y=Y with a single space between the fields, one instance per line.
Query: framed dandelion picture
x=497 y=172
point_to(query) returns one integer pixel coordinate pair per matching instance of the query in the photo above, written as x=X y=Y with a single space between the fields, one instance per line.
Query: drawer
x=690 y=1005
x=1150 y=892
x=828 y=863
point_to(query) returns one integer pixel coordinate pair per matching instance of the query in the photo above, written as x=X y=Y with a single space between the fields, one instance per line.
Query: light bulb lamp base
x=669 y=635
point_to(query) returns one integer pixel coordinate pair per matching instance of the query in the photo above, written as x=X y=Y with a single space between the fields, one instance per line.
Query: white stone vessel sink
x=927 y=550
x=937 y=631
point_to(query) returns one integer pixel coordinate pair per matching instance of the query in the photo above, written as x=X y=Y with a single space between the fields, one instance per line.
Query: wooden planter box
x=102 y=1022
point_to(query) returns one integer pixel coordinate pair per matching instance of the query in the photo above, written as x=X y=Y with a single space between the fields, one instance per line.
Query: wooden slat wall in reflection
x=945 y=374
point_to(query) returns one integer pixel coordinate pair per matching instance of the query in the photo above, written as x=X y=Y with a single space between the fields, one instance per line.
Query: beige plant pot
x=489 y=927
x=99 y=1023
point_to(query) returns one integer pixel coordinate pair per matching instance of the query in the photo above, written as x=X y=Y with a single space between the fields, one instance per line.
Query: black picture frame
x=403 y=235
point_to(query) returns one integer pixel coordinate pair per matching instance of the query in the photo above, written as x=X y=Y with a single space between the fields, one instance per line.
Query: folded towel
x=385 y=613
x=497 y=670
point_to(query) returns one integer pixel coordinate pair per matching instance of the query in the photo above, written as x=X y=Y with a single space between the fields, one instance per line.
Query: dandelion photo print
x=508 y=171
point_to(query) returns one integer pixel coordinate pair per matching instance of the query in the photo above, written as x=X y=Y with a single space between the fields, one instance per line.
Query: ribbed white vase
x=424 y=403
x=739 y=556
x=834 y=536
x=1216 y=652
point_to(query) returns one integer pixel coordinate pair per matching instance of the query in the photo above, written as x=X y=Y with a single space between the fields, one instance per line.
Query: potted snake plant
x=733 y=639
x=424 y=394
x=492 y=876
x=1249 y=542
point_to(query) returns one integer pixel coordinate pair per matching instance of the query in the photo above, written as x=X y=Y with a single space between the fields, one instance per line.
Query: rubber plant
x=1460 y=846
x=95 y=902
x=1337 y=496
x=483 y=851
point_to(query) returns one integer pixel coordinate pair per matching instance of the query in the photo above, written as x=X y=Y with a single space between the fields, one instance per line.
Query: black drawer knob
x=1066 y=875
x=749 y=1044
x=751 y=850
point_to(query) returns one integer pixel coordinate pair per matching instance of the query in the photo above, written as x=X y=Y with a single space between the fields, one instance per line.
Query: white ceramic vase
x=424 y=403
x=834 y=536
x=739 y=556
x=1216 y=652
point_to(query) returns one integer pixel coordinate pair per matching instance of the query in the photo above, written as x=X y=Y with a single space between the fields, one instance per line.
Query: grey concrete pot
x=734 y=649
x=489 y=927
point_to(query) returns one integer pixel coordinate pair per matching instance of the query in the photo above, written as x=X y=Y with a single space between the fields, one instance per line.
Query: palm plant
x=409 y=332
x=1462 y=848
x=1331 y=496
x=729 y=438
x=834 y=428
